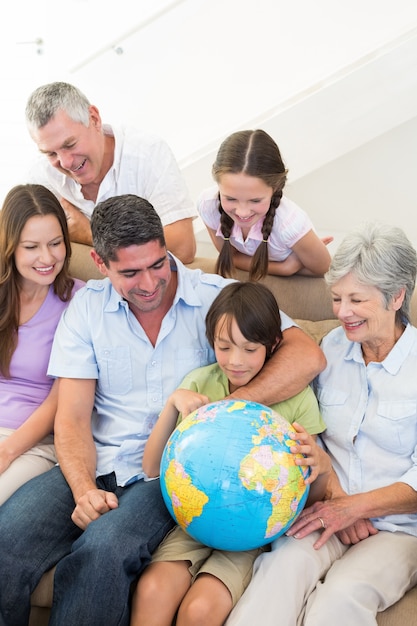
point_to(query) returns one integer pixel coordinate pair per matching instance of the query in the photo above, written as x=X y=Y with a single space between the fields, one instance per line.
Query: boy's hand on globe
x=186 y=401
x=313 y=455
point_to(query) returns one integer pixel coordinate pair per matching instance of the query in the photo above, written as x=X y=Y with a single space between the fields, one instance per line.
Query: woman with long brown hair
x=35 y=287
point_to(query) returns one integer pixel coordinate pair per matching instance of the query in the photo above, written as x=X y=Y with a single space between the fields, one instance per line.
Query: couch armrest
x=317 y=330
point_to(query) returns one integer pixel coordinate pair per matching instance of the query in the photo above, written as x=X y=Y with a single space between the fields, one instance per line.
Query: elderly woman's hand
x=337 y=516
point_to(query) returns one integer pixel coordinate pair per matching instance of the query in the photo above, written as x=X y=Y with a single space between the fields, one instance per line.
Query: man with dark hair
x=122 y=346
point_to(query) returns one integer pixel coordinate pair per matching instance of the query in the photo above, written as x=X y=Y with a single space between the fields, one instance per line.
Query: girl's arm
x=310 y=256
x=180 y=401
x=313 y=254
x=217 y=241
x=32 y=431
x=290 y=266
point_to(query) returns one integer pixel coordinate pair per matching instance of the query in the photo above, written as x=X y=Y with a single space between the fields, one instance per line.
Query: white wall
x=209 y=67
x=323 y=77
x=374 y=182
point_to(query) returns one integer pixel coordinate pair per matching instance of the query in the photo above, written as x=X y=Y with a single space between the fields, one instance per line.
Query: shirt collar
x=255 y=232
x=394 y=359
x=185 y=288
x=117 y=157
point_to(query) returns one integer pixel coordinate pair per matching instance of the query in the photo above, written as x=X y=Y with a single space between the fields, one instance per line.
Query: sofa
x=308 y=302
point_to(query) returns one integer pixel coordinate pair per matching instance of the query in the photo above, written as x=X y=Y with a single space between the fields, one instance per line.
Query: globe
x=228 y=477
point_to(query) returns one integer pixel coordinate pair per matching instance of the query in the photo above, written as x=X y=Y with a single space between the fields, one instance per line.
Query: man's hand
x=92 y=505
x=360 y=530
x=78 y=223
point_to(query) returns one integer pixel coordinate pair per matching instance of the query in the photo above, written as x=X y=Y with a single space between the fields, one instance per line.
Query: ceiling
x=321 y=76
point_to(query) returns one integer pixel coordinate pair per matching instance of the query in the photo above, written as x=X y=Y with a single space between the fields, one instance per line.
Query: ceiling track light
x=38 y=42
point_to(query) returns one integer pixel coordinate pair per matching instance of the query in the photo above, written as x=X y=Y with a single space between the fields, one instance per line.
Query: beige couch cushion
x=300 y=297
x=317 y=330
x=82 y=265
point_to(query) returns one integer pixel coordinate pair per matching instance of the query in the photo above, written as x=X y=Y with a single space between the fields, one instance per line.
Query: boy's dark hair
x=255 y=310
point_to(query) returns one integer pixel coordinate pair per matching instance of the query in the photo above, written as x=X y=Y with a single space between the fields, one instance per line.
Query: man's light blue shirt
x=371 y=416
x=99 y=338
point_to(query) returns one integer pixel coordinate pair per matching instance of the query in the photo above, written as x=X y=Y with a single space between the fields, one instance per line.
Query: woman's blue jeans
x=95 y=567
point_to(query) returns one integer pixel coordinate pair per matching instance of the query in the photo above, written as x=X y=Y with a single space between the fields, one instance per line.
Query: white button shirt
x=143 y=165
x=291 y=223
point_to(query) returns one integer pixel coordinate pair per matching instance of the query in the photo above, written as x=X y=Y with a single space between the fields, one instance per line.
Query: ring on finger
x=323 y=525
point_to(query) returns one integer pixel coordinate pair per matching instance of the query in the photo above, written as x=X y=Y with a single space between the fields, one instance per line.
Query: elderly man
x=85 y=161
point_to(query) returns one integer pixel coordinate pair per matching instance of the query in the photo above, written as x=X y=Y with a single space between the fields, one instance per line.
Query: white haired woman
x=355 y=553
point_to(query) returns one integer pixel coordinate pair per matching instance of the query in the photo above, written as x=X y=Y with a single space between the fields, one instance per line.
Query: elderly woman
x=355 y=553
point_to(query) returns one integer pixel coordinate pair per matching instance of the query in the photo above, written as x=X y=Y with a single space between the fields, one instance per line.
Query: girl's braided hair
x=254 y=153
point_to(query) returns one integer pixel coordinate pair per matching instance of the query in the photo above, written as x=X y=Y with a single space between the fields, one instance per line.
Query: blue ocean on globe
x=228 y=477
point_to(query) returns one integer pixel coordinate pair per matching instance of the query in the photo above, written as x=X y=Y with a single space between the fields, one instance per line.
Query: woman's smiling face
x=41 y=252
x=362 y=310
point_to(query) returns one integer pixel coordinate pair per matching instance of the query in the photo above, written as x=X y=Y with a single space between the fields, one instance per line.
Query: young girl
x=199 y=584
x=252 y=225
x=35 y=288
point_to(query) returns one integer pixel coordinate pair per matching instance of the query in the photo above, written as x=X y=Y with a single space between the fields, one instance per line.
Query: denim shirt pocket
x=331 y=402
x=331 y=397
x=397 y=425
x=187 y=359
x=115 y=370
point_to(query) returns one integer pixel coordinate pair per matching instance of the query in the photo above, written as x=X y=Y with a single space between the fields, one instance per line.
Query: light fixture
x=38 y=42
